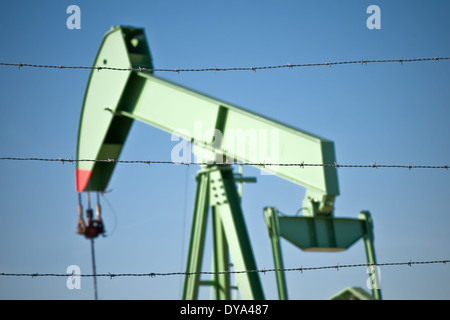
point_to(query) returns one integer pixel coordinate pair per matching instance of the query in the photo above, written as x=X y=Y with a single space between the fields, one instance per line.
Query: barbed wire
x=216 y=69
x=159 y=274
x=257 y=164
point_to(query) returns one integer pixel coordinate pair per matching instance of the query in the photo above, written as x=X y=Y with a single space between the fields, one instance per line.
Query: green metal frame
x=113 y=100
x=216 y=190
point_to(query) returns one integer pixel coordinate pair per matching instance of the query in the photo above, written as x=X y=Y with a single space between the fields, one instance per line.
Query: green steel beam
x=197 y=241
x=216 y=189
x=229 y=209
x=245 y=136
x=271 y=218
x=221 y=261
x=368 y=239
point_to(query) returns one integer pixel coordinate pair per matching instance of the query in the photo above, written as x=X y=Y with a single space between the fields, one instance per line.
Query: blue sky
x=378 y=113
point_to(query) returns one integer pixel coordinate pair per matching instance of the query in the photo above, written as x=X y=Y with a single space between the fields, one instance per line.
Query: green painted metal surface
x=221 y=262
x=217 y=190
x=245 y=136
x=368 y=239
x=272 y=222
x=237 y=235
x=102 y=132
x=320 y=233
x=197 y=240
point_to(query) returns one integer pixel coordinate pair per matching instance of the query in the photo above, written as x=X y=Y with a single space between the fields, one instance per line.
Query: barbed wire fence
x=217 y=69
x=164 y=274
x=257 y=164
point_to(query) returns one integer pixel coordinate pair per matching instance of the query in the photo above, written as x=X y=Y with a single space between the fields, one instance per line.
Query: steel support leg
x=221 y=260
x=370 y=253
x=217 y=189
x=197 y=242
x=232 y=218
x=271 y=217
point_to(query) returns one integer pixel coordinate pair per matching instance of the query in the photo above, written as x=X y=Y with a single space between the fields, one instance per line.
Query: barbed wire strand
x=216 y=69
x=257 y=164
x=158 y=274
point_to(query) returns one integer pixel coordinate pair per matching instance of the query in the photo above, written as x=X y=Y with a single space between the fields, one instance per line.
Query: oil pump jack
x=114 y=99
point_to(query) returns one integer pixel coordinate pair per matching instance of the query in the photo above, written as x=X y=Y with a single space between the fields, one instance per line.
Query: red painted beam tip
x=82 y=176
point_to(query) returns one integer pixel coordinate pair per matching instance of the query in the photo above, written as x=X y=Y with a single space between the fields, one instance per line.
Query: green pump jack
x=113 y=100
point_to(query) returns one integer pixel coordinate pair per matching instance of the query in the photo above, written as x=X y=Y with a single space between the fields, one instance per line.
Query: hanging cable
x=99 y=230
x=81 y=227
x=113 y=212
x=99 y=221
x=91 y=234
